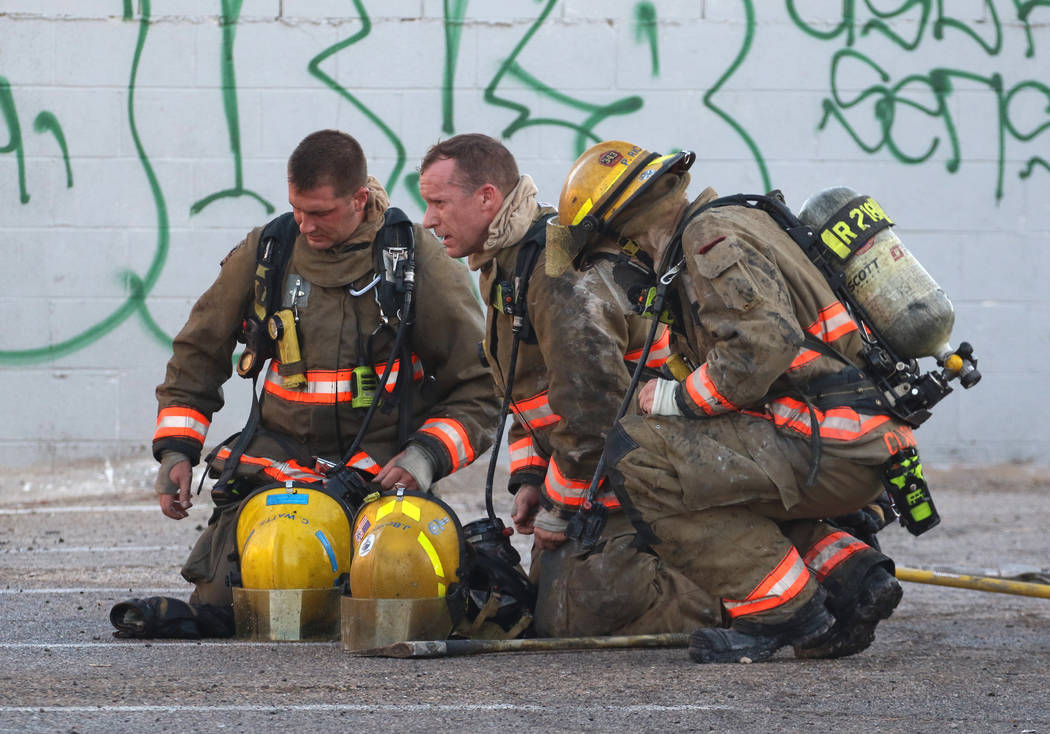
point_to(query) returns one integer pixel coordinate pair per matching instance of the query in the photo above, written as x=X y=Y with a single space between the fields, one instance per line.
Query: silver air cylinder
x=905 y=304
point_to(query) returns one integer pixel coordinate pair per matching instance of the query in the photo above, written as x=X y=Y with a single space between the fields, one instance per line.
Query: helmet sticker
x=647 y=174
x=610 y=158
x=362 y=529
x=366 y=547
x=438 y=524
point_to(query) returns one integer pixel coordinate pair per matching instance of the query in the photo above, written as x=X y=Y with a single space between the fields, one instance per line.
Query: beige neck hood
x=511 y=222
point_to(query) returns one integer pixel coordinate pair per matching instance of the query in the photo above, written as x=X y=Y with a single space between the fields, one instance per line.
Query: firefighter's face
x=459 y=218
x=324 y=218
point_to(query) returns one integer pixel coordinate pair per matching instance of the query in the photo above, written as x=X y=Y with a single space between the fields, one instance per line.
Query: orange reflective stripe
x=282 y=471
x=805 y=356
x=572 y=492
x=454 y=437
x=328 y=387
x=364 y=462
x=323 y=387
x=395 y=368
x=535 y=412
x=523 y=455
x=658 y=353
x=783 y=584
x=823 y=557
x=843 y=424
x=704 y=393
x=179 y=422
x=833 y=322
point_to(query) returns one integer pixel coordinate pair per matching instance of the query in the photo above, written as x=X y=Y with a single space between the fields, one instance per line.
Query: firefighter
x=572 y=367
x=340 y=334
x=726 y=472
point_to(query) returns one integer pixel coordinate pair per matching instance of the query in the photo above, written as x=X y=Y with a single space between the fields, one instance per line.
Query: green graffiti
x=585 y=134
x=738 y=60
x=887 y=99
x=315 y=69
x=46 y=122
x=454 y=13
x=138 y=287
x=645 y=31
x=7 y=104
x=231 y=11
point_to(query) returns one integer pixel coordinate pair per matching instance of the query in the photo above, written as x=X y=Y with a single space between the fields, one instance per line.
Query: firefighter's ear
x=489 y=197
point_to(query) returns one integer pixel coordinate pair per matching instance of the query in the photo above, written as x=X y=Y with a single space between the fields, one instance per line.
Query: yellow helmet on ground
x=407 y=545
x=293 y=536
x=603 y=181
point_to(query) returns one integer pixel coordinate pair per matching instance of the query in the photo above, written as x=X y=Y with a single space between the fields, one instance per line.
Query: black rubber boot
x=854 y=629
x=751 y=641
x=161 y=617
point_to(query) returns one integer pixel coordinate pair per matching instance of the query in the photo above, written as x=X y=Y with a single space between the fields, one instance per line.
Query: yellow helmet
x=407 y=545
x=293 y=536
x=602 y=182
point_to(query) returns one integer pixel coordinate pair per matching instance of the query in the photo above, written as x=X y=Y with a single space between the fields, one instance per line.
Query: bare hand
x=176 y=506
x=391 y=475
x=547 y=540
x=645 y=397
x=526 y=505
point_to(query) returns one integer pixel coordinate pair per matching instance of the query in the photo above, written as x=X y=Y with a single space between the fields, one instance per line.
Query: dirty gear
x=856 y=619
x=571 y=371
x=763 y=437
x=167 y=618
x=342 y=333
x=752 y=641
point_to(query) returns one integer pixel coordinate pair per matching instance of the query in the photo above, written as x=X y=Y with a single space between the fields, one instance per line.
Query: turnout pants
x=723 y=502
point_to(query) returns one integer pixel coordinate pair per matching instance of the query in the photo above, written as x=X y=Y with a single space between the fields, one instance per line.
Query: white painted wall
x=136 y=90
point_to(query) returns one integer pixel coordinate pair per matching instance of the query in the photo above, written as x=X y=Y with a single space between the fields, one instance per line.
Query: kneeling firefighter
x=360 y=336
x=779 y=418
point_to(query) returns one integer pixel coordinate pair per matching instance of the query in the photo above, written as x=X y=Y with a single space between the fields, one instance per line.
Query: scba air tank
x=904 y=303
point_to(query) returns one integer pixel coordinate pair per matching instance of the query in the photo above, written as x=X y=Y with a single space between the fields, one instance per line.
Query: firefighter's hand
x=645 y=397
x=547 y=540
x=526 y=505
x=176 y=506
x=391 y=475
x=549 y=530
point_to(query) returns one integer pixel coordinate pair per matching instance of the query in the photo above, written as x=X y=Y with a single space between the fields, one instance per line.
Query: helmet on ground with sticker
x=406 y=545
x=293 y=536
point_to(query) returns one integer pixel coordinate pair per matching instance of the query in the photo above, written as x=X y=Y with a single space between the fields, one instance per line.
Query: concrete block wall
x=119 y=119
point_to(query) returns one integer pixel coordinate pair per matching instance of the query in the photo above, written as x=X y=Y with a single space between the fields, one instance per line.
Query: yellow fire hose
x=978 y=583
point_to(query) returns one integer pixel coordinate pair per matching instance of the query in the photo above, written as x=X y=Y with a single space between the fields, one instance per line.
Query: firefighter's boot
x=752 y=641
x=856 y=619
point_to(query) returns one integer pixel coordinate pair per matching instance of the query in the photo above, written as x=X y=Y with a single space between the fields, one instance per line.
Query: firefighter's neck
x=658 y=236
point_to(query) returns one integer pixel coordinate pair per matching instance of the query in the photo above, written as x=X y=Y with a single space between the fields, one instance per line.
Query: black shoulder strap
x=271 y=258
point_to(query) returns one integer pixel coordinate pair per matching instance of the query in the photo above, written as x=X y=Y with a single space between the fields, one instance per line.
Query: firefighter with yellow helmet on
x=730 y=466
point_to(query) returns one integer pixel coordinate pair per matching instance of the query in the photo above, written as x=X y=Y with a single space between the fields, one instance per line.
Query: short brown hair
x=328 y=158
x=479 y=160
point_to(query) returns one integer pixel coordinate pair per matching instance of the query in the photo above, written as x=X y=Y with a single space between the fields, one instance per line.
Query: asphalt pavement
x=76 y=541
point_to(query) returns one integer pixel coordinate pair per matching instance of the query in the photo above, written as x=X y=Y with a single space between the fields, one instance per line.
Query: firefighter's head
x=603 y=191
x=464 y=181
